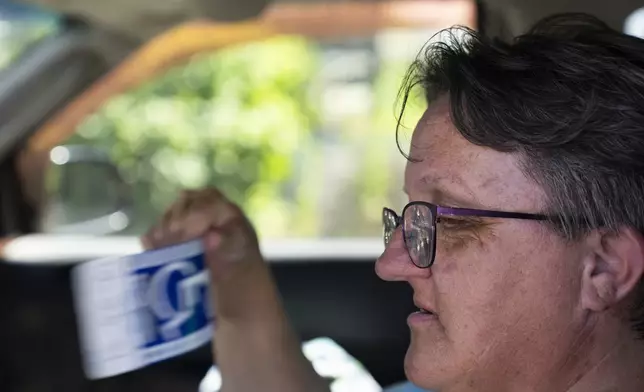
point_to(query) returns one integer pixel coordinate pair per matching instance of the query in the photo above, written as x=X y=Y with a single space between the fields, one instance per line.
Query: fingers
x=190 y=217
x=233 y=244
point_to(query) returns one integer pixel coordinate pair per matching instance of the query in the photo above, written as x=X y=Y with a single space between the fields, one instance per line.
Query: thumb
x=227 y=248
x=212 y=241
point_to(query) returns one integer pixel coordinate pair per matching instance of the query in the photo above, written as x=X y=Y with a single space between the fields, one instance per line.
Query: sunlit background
x=300 y=132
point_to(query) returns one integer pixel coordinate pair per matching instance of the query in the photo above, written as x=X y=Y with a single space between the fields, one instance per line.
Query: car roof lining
x=142 y=20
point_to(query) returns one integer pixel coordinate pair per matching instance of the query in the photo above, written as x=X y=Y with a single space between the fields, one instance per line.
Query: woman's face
x=505 y=293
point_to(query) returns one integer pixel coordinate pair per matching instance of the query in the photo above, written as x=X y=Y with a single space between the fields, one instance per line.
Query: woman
x=523 y=240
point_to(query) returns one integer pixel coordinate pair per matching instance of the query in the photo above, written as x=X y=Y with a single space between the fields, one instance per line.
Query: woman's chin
x=426 y=364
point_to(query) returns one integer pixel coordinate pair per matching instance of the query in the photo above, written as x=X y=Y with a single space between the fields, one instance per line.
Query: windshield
x=21 y=27
x=297 y=129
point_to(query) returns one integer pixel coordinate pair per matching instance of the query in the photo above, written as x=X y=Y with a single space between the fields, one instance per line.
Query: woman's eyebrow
x=435 y=185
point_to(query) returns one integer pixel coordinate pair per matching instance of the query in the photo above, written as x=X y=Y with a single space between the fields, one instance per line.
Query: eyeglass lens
x=418 y=231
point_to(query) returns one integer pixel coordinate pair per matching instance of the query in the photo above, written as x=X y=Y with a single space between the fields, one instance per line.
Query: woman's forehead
x=444 y=164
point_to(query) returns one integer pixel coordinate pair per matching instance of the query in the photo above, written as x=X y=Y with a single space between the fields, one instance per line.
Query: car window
x=299 y=131
x=21 y=27
x=634 y=23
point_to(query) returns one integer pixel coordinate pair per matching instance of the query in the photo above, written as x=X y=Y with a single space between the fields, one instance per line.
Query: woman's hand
x=230 y=245
x=229 y=238
x=255 y=346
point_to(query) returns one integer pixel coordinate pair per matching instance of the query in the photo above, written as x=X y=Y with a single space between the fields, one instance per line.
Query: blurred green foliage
x=248 y=120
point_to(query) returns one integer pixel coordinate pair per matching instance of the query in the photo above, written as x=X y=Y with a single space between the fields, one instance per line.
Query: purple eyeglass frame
x=436 y=212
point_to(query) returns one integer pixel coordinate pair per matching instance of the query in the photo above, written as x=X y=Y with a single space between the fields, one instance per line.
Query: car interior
x=96 y=50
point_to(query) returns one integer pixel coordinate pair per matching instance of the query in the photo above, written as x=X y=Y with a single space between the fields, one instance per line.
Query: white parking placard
x=136 y=310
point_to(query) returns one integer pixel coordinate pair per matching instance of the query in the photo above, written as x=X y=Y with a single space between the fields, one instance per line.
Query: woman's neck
x=613 y=365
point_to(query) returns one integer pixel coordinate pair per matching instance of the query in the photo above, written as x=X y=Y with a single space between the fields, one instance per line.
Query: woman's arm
x=254 y=344
x=259 y=351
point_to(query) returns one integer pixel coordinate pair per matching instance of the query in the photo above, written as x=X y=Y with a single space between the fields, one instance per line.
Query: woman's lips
x=424 y=315
x=423 y=307
x=421 y=317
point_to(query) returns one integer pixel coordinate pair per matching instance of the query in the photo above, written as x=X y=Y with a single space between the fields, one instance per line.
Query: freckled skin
x=506 y=291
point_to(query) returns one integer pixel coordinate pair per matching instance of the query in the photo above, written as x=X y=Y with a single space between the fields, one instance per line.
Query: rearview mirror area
x=85 y=193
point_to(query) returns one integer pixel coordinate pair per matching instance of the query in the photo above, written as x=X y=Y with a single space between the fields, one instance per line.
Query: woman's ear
x=613 y=268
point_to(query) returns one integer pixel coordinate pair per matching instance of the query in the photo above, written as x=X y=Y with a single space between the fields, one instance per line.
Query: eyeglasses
x=419 y=220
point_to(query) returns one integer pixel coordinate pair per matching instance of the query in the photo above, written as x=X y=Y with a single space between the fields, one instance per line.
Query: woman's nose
x=395 y=265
